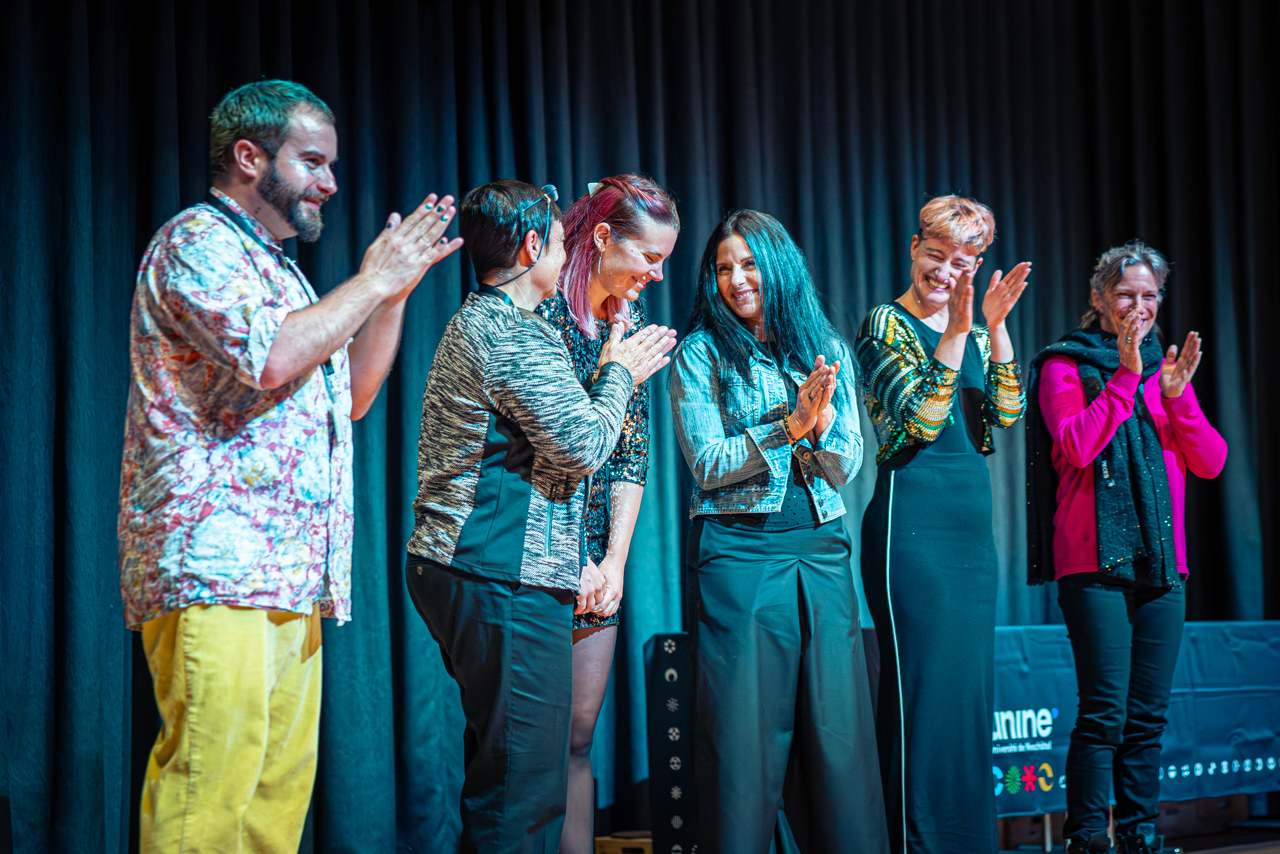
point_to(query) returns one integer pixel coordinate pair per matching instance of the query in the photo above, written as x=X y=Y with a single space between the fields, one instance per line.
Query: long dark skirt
x=929 y=572
x=782 y=679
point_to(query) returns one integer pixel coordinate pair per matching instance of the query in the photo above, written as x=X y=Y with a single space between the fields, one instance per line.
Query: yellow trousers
x=234 y=764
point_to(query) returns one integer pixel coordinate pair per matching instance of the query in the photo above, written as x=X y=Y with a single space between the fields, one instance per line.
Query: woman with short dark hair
x=766 y=417
x=1112 y=429
x=509 y=435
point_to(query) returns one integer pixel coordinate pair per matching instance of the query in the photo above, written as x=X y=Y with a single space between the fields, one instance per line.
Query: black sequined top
x=630 y=459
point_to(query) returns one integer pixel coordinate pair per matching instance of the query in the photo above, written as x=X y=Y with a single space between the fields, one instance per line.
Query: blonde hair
x=955 y=219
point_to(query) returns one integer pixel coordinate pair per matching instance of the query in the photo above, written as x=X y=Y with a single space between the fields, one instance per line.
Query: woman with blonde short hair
x=935 y=383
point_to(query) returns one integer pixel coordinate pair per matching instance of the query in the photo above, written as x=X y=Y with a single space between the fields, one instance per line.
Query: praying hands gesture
x=1176 y=370
x=813 y=412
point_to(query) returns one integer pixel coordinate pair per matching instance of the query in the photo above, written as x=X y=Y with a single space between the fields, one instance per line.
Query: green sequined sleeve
x=1005 y=395
x=908 y=395
x=1006 y=398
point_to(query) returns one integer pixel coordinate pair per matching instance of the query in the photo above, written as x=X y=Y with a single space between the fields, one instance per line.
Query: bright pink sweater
x=1080 y=430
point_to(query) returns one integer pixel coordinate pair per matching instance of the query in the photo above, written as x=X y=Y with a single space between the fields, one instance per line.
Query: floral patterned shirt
x=230 y=493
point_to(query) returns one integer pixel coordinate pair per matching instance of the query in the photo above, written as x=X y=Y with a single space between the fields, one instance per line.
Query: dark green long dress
x=929 y=573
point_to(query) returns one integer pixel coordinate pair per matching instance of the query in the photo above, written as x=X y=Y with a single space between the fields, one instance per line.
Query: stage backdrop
x=1083 y=124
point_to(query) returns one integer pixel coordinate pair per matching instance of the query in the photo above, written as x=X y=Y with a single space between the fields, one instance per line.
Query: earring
x=599 y=262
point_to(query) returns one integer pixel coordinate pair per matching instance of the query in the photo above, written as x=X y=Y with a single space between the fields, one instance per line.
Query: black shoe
x=1097 y=843
x=1143 y=840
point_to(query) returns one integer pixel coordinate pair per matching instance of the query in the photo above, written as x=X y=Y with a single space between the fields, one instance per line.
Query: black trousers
x=510 y=649
x=1126 y=647
x=783 y=699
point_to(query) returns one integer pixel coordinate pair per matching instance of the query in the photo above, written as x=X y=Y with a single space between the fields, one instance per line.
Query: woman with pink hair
x=616 y=239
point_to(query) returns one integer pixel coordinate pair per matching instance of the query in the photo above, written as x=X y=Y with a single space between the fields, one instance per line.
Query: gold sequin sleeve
x=908 y=394
x=1006 y=398
x=1005 y=394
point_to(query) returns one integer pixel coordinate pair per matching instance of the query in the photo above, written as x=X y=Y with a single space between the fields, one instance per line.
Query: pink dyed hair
x=626 y=203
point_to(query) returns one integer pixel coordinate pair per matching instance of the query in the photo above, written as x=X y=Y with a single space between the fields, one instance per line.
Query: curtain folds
x=1083 y=123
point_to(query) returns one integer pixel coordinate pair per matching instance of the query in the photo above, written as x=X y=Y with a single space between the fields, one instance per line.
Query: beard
x=288 y=202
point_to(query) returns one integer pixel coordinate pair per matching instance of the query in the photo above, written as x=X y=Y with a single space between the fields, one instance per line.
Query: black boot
x=1143 y=840
x=1086 y=843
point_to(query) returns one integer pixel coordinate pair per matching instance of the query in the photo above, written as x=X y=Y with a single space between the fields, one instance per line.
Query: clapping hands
x=406 y=248
x=1176 y=370
x=1003 y=293
x=643 y=354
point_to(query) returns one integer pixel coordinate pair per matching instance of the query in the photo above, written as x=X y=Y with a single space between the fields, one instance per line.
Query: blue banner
x=1223 y=736
x=1035 y=710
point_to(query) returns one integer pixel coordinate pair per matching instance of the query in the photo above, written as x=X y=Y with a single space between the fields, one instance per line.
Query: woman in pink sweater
x=1113 y=428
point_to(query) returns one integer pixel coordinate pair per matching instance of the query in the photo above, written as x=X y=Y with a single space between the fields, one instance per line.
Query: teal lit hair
x=494 y=219
x=792 y=314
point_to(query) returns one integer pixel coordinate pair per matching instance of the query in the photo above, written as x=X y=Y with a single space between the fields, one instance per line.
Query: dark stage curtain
x=1082 y=122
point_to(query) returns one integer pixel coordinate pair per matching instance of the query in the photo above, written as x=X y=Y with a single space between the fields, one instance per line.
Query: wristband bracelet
x=786 y=428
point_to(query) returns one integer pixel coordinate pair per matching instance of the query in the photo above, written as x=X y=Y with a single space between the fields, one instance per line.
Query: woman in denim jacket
x=765 y=415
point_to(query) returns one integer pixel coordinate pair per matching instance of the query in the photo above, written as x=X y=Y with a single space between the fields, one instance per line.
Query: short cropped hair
x=1110 y=268
x=955 y=219
x=262 y=112
x=494 y=219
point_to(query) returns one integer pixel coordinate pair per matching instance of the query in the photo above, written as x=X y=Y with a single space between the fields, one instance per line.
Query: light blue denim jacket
x=732 y=436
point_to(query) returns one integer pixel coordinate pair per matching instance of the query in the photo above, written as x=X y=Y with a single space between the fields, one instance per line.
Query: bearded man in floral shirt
x=235 y=521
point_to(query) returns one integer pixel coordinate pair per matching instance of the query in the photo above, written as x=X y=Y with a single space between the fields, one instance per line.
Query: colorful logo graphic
x=1024 y=778
x=1023 y=723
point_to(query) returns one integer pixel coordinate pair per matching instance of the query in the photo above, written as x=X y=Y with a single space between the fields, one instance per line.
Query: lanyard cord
x=239 y=222
x=490 y=290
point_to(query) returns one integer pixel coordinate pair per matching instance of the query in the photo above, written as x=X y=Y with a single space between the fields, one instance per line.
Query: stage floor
x=1243 y=842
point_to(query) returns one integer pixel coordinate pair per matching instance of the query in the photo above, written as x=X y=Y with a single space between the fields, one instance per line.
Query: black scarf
x=1131 y=487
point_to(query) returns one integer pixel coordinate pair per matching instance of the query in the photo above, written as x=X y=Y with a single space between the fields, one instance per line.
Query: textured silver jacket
x=508 y=437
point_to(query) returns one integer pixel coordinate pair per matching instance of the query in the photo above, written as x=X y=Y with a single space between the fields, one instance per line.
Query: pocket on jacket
x=547 y=528
x=738 y=400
